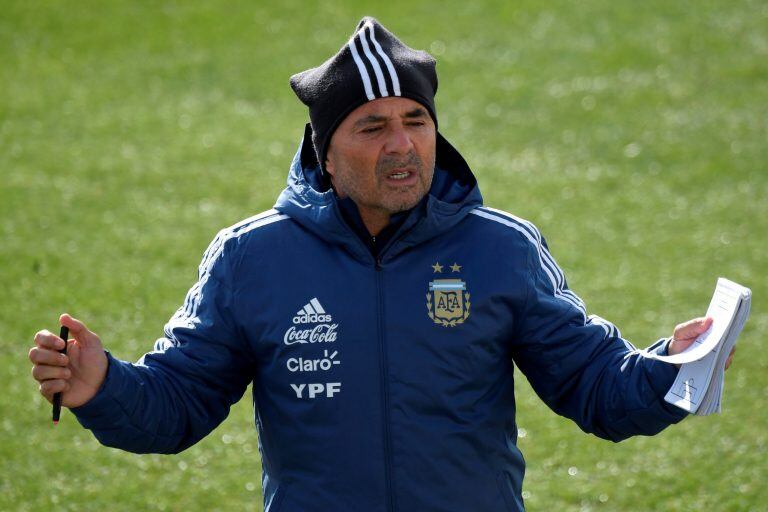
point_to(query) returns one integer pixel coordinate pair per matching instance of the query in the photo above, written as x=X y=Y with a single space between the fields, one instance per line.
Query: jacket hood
x=310 y=201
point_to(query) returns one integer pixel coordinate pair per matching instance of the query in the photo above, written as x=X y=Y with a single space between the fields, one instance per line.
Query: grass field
x=635 y=135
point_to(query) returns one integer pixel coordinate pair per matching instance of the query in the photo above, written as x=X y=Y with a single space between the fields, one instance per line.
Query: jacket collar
x=310 y=201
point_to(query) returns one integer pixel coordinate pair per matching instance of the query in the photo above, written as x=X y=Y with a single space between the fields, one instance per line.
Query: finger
x=73 y=352
x=693 y=328
x=42 y=372
x=730 y=358
x=49 y=387
x=47 y=357
x=678 y=345
x=46 y=339
x=77 y=329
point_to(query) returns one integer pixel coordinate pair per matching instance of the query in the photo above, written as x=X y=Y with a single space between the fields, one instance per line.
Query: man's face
x=382 y=156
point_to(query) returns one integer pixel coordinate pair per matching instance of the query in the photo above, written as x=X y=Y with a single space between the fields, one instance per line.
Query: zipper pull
x=376 y=252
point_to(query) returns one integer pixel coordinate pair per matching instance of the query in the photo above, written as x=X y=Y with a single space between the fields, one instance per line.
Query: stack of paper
x=698 y=387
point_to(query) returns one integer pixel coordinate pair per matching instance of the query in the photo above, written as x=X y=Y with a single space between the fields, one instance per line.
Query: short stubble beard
x=385 y=166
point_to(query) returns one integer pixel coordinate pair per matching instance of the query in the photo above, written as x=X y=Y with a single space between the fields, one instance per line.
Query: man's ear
x=329 y=164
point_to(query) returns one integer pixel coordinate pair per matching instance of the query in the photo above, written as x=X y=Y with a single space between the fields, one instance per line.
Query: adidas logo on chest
x=311 y=313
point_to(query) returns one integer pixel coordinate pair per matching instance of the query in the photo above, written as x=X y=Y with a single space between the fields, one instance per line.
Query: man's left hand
x=687 y=332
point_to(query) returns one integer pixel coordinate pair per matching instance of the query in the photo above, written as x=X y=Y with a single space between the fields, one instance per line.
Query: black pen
x=63 y=334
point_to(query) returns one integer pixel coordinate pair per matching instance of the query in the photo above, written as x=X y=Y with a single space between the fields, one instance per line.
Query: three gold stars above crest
x=438 y=268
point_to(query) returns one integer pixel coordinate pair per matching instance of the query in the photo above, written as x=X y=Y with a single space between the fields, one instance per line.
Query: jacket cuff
x=104 y=410
x=661 y=347
x=664 y=376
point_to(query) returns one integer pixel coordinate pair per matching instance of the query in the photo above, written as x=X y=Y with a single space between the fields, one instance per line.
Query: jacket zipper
x=384 y=385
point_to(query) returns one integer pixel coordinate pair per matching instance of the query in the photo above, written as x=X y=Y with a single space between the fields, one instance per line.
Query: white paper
x=691 y=384
x=722 y=308
x=698 y=387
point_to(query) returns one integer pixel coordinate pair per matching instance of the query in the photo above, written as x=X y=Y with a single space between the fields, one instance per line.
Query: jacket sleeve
x=176 y=394
x=580 y=365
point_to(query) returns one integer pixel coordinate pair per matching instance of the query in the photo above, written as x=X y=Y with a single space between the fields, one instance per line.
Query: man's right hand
x=79 y=373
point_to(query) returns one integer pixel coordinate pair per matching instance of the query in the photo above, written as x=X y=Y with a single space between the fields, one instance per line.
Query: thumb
x=79 y=331
x=692 y=328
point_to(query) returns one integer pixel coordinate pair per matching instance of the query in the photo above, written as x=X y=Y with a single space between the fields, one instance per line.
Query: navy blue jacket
x=381 y=383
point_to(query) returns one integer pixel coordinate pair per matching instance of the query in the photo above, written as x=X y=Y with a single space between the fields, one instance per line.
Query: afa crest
x=448 y=300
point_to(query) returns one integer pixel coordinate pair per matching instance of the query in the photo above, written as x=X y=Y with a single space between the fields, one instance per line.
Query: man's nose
x=398 y=141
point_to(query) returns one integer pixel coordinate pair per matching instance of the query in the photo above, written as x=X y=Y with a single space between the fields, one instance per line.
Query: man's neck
x=375 y=220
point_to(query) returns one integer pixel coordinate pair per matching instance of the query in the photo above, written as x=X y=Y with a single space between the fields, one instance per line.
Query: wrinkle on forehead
x=416 y=113
x=386 y=108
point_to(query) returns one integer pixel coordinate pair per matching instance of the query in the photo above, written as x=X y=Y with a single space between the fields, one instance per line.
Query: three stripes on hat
x=364 y=41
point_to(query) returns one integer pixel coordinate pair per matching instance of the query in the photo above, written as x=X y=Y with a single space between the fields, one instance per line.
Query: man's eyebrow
x=370 y=120
x=417 y=112
x=373 y=118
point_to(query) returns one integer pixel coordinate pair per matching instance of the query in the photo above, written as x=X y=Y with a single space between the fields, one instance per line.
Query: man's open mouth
x=399 y=175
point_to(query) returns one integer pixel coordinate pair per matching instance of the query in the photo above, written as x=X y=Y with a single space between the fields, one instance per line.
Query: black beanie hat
x=373 y=64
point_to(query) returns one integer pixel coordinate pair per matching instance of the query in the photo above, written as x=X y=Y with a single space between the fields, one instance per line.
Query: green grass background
x=632 y=133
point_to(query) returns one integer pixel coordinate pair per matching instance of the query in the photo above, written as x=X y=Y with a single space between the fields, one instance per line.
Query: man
x=377 y=310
